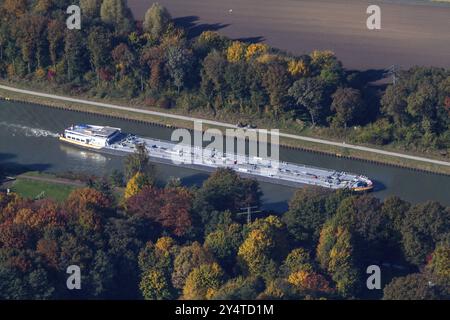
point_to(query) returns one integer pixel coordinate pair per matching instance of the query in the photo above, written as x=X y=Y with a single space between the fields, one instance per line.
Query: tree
x=327 y=67
x=90 y=8
x=347 y=103
x=42 y=7
x=362 y=216
x=154 y=58
x=255 y=50
x=335 y=255
x=396 y=209
x=175 y=214
x=74 y=54
x=55 y=37
x=203 y=282
x=117 y=14
x=439 y=264
x=117 y=178
x=309 y=94
x=224 y=243
x=236 y=52
x=310 y=283
x=99 y=45
x=414 y=286
x=156 y=20
x=139 y=161
x=155 y=286
x=15 y=7
x=424 y=225
x=212 y=73
x=135 y=185
x=187 y=259
x=298 y=68
x=226 y=190
x=309 y=208
x=236 y=81
x=179 y=64
x=298 y=260
x=31 y=36
x=264 y=247
x=88 y=206
x=209 y=41
x=123 y=58
x=170 y=207
x=393 y=103
x=159 y=256
x=240 y=288
x=276 y=81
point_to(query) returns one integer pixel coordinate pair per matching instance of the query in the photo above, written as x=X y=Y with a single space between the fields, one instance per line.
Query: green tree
x=31 y=35
x=414 y=286
x=99 y=46
x=203 y=282
x=179 y=64
x=90 y=8
x=212 y=74
x=74 y=54
x=187 y=259
x=363 y=217
x=155 y=286
x=276 y=81
x=298 y=260
x=424 y=225
x=335 y=255
x=347 y=103
x=55 y=37
x=156 y=20
x=224 y=243
x=226 y=190
x=309 y=208
x=139 y=161
x=309 y=94
x=117 y=14
x=264 y=247
x=240 y=288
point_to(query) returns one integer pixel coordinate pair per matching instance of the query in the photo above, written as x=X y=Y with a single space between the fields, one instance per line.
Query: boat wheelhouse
x=96 y=137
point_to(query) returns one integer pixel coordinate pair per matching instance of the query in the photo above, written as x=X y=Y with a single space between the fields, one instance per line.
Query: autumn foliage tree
x=170 y=208
x=335 y=255
x=203 y=282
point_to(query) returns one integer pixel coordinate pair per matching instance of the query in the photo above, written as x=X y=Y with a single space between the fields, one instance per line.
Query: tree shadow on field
x=194 y=29
x=251 y=39
x=374 y=77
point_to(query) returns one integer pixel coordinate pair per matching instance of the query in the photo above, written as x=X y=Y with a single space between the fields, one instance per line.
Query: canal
x=29 y=141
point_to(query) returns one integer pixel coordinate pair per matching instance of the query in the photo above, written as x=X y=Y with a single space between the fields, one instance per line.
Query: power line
x=248 y=212
x=392 y=70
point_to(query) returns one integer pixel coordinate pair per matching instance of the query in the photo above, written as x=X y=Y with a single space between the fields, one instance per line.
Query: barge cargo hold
x=112 y=140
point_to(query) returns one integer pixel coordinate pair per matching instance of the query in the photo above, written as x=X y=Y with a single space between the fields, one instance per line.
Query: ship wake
x=28 y=131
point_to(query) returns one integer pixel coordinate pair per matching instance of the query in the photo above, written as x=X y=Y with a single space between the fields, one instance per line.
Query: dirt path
x=55 y=180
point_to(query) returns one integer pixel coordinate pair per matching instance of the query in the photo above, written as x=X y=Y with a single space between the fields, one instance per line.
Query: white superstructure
x=95 y=137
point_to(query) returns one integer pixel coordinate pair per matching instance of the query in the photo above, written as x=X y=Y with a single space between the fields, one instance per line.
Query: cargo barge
x=113 y=140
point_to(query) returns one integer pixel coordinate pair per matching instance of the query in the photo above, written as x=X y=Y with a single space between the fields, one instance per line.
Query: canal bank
x=29 y=140
x=173 y=120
